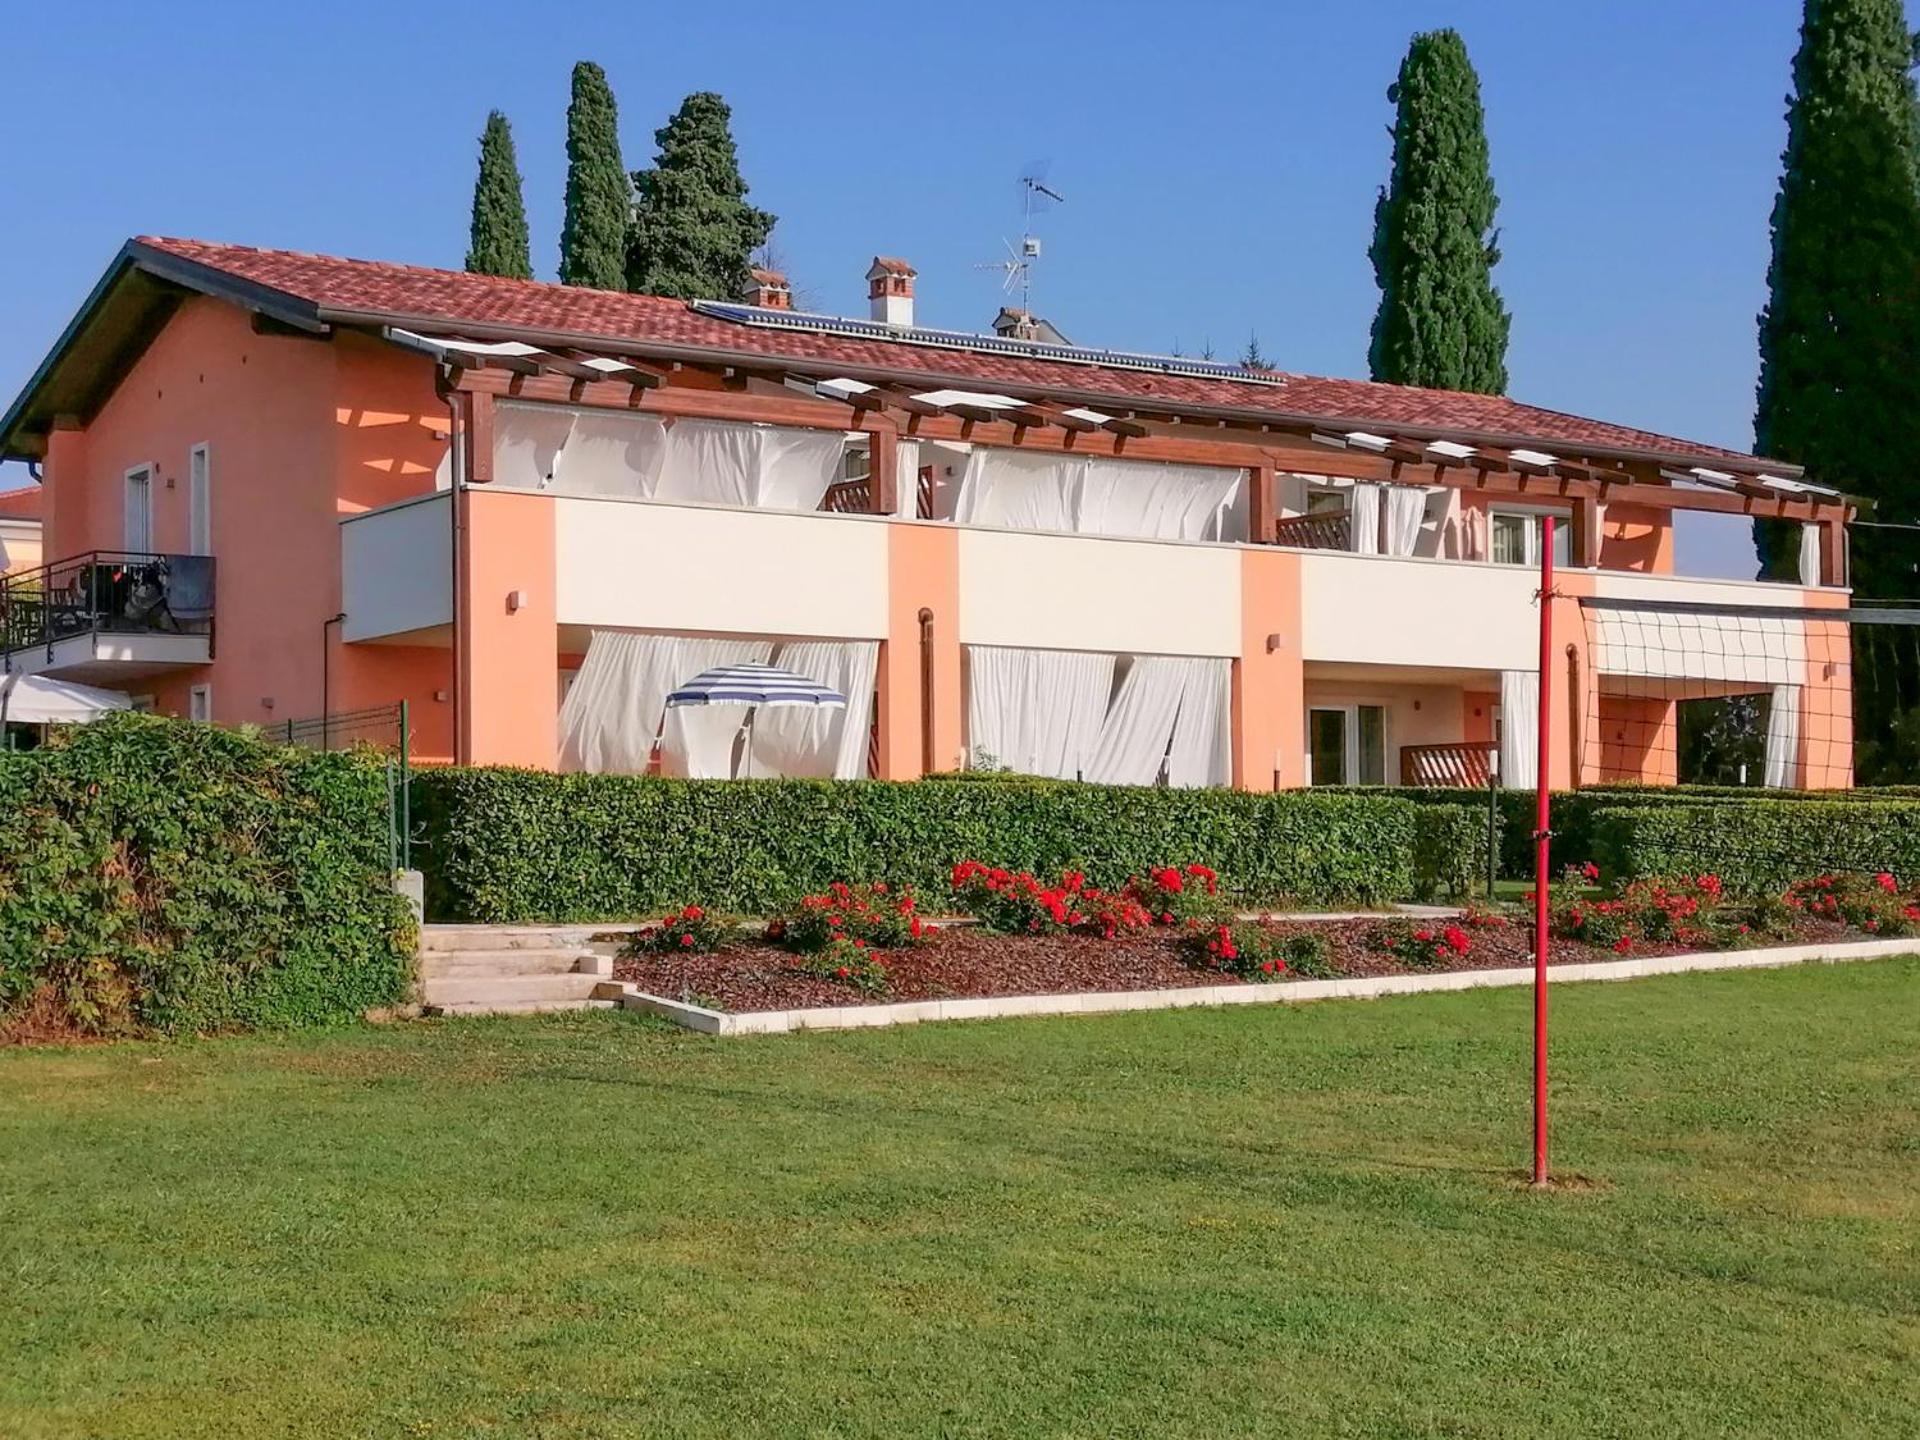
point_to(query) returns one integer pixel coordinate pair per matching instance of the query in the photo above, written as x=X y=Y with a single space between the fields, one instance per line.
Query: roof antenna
x=1036 y=198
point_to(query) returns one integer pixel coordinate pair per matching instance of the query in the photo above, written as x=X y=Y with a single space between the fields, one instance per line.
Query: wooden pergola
x=887 y=405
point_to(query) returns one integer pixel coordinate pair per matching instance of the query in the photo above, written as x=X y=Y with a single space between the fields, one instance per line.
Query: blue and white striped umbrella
x=755 y=684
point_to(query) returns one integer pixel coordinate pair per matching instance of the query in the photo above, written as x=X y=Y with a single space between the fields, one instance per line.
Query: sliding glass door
x=1347 y=745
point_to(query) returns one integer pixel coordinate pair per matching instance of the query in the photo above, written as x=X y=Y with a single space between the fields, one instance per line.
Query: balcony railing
x=1322 y=530
x=855 y=497
x=107 y=592
x=1448 y=765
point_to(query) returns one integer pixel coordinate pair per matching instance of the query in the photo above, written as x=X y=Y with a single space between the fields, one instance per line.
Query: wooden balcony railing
x=1450 y=765
x=1322 y=530
x=855 y=497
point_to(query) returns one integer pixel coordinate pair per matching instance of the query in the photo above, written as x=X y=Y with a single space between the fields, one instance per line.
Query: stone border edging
x=989 y=1007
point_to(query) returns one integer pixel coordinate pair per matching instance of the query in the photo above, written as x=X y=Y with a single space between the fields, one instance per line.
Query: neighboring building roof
x=22 y=503
x=311 y=292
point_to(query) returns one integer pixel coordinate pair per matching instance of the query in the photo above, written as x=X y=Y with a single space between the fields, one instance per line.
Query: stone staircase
x=516 y=969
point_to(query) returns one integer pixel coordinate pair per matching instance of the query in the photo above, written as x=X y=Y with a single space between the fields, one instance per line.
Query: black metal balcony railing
x=107 y=591
x=1322 y=530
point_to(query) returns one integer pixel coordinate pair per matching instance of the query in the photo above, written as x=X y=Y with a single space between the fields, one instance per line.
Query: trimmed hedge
x=1758 y=846
x=163 y=876
x=501 y=845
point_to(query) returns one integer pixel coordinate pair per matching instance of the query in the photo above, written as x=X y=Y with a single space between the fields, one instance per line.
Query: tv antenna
x=1036 y=198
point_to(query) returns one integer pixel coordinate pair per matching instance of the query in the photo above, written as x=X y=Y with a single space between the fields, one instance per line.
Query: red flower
x=685 y=940
x=1166 y=917
x=841 y=973
x=1622 y=945
x=834 y=921
x=1886 y=882
x=692 y=912
x=1425 y=937
x=1269 y=966
x=915 y=928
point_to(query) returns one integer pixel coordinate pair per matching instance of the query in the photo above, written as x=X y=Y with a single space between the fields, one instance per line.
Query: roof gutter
x=936 y=379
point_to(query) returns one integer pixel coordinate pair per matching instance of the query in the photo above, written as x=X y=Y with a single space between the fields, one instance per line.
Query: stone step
x=521 y=1007
x=481 y=964
x=491 y=991
x=512 y=937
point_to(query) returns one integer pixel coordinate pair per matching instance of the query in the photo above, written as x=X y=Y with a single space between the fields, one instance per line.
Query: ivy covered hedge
x=1758 y=845
x=502 y=845
x=159 y=876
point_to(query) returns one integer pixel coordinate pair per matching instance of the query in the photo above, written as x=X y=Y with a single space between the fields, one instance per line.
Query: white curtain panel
x=1020 y=490
x=767 y=467
x=1406 y=512
x=806 y=742
x=617 y=705
x=906 y=473
x=1809 y=554
x=1365 y=504
x=527 y=441
x=1171 y=713
x=612 y=453
x=1519 y=729
x=1039 y=712
x=1783 y=737
x=1163 y=502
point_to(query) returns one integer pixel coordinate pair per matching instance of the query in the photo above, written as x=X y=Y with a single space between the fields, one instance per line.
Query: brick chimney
x=767 y=289
x=890 y=290
x=1013 y=323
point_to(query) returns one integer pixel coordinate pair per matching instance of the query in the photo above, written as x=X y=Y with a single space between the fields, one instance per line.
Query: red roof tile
x=22 y=503
x=450 y=299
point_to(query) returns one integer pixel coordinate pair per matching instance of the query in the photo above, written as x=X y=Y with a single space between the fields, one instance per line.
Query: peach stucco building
x=278 y=484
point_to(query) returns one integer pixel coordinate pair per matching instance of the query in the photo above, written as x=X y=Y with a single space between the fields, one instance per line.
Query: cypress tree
x=1441 y=322
x=593 y=238
x=1839 y=384
x=498 y=242
x=693 y=231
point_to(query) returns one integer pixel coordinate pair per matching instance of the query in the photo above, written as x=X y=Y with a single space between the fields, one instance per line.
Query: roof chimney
x=1013 y=323
x=890 y=290
x=767 y=289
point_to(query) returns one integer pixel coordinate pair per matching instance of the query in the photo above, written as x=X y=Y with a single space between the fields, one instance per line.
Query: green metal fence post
x=1493 y=825
x=406 y=790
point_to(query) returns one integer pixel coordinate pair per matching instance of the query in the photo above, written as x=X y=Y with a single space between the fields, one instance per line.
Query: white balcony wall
x=1375 y=610
x=694 y=569
x=396 y=569
x=1066 y=592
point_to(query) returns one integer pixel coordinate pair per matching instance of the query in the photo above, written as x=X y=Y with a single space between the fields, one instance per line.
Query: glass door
x=1326 y=747
x=1347 y=745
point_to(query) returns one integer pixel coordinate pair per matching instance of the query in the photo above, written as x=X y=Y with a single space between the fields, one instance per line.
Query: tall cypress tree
x=498 y=243
x=693 y=230
x=1441 y=322
x=593 y=237
x=1840 y=337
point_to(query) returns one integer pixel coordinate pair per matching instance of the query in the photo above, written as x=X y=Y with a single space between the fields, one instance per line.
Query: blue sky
x=1219 y=160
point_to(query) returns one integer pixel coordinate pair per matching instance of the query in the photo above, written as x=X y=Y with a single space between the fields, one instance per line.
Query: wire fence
x=386 y=729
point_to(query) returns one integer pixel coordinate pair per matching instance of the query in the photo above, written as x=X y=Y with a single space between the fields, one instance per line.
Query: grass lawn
x=1266 y=1221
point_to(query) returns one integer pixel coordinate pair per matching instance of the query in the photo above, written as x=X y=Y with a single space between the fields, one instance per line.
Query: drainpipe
x=926 y=691
x=326 y=706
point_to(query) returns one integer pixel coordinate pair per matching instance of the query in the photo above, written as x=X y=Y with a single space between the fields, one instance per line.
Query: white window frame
x=1350 y=739
x=200 y=703
x=200 y=499
x=146 y=473
x=1530 y=547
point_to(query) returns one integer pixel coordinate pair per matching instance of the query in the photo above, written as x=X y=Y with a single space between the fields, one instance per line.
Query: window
x=1347 y=745
x=1326 y=502
x=200 y=703
x=1514 y=537
x=137 y=529
x=199 y=502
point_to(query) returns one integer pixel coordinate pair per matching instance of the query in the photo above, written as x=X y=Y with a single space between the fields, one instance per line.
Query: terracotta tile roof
x=22 y=503
x=345 y=288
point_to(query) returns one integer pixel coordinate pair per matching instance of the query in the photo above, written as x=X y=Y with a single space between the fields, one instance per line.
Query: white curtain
x=1519 y=729
x=1037 y=711
x=1406 y=511
x=816 y=744
x=527 y=441
x=618 y=705
x=1365 y=505
x=1783 y=737
x=610 y=453
x=1809 y=554
x=1171 y=712
x=906 y=475
x=1029 y=490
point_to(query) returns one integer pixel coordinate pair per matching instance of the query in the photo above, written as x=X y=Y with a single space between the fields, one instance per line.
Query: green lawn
x=1267 y=1221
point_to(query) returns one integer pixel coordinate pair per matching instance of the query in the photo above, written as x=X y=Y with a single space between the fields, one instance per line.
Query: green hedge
x=1758 y=845
x=164 y=876
x=504 y=845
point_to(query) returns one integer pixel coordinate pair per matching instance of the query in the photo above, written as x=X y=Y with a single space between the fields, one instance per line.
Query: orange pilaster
x=507 y=636
x=918 y=685
x=1269 y=678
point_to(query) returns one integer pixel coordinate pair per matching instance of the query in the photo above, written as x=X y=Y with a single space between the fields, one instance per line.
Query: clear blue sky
x=1219 y=160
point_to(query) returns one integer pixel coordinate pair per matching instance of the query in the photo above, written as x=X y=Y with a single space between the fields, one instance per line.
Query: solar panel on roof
x=805 y=323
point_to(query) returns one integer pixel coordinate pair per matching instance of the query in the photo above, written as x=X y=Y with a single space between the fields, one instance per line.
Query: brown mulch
x=966 y=961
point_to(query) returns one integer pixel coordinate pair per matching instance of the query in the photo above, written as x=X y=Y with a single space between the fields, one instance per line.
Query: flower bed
x=1034 y=937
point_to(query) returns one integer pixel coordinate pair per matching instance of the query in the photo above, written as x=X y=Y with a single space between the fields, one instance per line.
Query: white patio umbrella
x=753 y=685
x=42 y=700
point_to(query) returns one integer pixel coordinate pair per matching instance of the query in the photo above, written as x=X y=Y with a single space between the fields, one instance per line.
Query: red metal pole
x=1540 y=844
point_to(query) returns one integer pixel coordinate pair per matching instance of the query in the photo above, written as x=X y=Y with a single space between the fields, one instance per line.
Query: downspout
x=456 y=520
x=326 y=699
x=926 y=691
